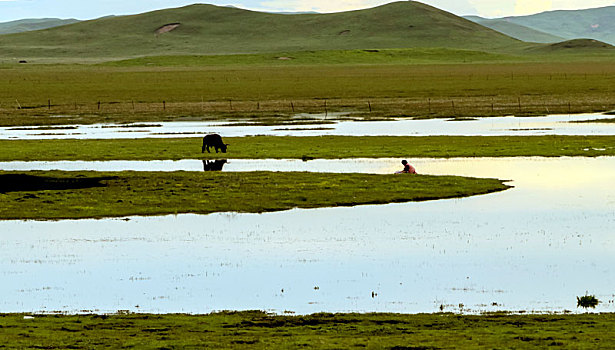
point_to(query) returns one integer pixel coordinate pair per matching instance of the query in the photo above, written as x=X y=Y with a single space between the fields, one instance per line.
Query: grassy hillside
x=516 y=31
x=26 y=25
x=576 y=47
x=598 y=23
x=208 y=29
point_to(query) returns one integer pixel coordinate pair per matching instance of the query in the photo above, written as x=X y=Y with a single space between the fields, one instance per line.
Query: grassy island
x=68 y=195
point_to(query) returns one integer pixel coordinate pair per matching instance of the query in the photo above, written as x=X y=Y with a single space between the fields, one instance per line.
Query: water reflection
x=213 y=165
x=534 y=247
x=25 y=182
x=355 y=165
x=493 y=126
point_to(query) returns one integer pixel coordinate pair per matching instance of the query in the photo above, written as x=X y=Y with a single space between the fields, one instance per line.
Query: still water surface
x=493 y=126
x=534 y=247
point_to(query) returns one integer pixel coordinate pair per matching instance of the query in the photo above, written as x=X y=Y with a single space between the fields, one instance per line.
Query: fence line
x=452 y=107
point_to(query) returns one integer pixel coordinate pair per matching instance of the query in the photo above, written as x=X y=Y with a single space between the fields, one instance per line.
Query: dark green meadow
x=323 y=147
x=258 y=330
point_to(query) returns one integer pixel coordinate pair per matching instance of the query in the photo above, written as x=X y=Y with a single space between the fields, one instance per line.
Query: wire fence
x=396 y=107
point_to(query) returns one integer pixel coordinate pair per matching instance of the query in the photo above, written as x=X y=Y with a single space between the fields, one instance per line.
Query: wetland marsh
x=113 y=226
x=337 y=124
x=531 y=248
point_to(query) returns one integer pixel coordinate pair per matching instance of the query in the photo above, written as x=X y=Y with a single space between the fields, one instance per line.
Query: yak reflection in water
x=213 y=165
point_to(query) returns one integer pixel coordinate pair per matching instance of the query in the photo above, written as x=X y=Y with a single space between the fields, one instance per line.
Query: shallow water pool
x=492 y=126
x=533 y=248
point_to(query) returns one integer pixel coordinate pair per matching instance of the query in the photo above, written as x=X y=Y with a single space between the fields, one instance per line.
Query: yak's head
x=224 y=146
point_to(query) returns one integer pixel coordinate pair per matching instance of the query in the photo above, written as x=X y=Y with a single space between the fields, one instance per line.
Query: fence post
x=326 y=112
x=519 y=102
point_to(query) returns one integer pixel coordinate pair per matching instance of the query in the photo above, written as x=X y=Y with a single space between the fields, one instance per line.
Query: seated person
x=408 y=169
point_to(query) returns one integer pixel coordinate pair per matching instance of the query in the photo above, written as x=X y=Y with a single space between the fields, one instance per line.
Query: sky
x=89 y=9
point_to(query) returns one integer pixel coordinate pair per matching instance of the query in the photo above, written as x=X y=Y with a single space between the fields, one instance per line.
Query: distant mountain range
x=552 y=26
x=516 y=31
x=26 y=25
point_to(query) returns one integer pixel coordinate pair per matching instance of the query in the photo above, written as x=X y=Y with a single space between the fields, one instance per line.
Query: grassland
x=40 y=195
x=325 y=147
x=38 y=94
x=329 y=57
x=257 y=330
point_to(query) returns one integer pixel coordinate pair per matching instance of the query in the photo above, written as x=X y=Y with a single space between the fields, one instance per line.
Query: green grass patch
x=258 y=330
x=327 y=147
x=67 y=195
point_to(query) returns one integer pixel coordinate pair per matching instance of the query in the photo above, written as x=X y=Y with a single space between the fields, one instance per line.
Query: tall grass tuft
x=587 y=301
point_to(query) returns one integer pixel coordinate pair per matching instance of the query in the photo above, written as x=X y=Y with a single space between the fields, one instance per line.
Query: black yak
x=215 y=141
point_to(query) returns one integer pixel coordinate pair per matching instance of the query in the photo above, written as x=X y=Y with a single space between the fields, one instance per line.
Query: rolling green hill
x=208 y=29
x=597 y=23
x=516 y=31
x=575 y=47
x=26 y=25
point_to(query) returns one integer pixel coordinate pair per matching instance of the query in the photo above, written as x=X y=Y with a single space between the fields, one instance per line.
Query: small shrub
x=587 y=301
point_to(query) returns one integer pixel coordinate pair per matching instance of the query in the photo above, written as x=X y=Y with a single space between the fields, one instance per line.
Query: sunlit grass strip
x=160 y=193
x=258 y=330
x=328 y=147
